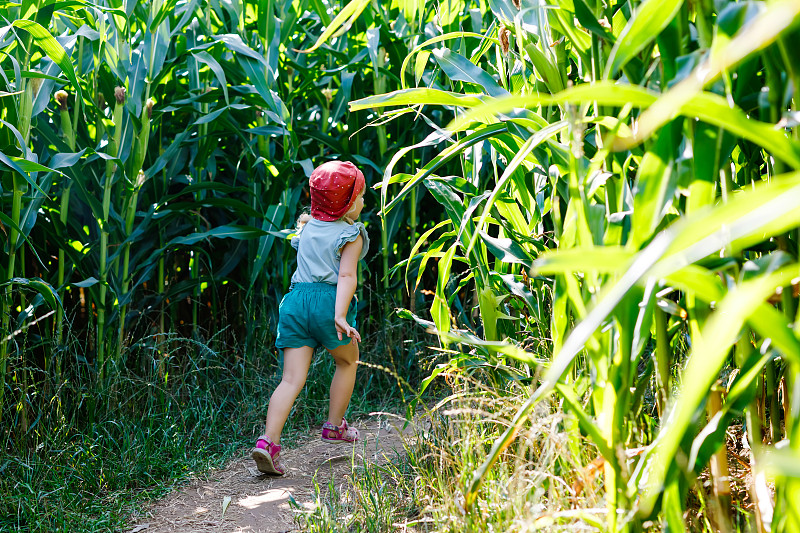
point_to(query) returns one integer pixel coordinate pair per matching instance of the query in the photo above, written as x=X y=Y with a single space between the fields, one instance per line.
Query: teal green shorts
x=306 y=317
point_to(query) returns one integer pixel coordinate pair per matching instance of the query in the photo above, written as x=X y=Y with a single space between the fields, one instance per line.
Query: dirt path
x=258 y=503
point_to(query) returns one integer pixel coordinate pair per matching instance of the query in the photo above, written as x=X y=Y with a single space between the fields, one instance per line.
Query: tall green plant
x=622 y=172
x=139 y=217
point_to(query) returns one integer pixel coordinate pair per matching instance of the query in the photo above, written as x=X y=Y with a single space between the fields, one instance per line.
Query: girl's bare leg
x=295 y=369
x=346 y=358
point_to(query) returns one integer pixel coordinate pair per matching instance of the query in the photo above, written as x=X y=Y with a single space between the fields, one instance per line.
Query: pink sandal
x=265 y=454
x=343 y=433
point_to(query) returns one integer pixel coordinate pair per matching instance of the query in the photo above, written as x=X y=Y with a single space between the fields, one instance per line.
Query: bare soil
x=238 y=498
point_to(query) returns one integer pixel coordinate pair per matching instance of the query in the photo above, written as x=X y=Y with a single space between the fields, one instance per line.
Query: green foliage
x=638 y=172
x=150 y=168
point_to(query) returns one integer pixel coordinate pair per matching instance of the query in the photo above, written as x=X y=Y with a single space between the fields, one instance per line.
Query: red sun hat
x=335 y=185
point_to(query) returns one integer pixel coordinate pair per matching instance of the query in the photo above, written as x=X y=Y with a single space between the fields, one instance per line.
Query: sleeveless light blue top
x=319 y=249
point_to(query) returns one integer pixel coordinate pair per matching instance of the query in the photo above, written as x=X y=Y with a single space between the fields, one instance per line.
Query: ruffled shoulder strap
x=349 y=234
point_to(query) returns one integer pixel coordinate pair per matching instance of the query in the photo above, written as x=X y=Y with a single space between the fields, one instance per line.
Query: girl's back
x=319 y=249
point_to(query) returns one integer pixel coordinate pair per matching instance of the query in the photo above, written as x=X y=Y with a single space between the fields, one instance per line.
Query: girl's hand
x=343 y=328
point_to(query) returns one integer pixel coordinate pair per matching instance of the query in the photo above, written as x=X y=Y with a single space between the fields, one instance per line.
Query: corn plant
x=27 y=180
x=638 y=175
x=155 y=155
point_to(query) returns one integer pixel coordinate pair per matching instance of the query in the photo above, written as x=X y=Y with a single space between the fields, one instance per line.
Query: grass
x=72 y=474
x=374 y=498
x=74 y=471
x=536 y=484
x=91 y=482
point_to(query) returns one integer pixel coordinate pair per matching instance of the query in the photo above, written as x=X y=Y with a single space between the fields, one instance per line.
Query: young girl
x=319 y=309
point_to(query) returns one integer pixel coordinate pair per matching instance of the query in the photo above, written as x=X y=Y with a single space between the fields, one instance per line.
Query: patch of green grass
x=374 y=498
x=91 y=482
x=71 y=477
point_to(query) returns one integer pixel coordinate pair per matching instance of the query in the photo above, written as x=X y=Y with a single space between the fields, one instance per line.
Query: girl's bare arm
x=346 y=287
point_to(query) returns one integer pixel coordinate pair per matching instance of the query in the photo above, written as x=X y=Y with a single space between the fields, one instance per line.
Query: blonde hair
x=345 y=217
x=302 y=220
